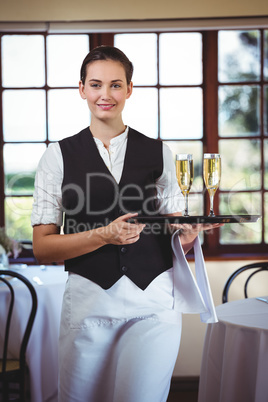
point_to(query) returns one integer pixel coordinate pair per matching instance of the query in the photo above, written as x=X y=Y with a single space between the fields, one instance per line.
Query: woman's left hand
x=188 y=233
x=195 y=229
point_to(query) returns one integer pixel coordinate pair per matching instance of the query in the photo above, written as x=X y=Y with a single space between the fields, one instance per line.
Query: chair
x=258 y=266
x=14 y=371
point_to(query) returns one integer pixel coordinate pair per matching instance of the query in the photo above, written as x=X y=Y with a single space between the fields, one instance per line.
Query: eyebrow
x=96 y=80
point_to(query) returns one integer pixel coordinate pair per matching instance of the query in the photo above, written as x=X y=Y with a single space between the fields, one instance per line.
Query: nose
x=105 y=95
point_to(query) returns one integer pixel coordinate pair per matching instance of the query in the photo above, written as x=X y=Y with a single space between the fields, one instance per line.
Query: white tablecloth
x=42 y=351
x=235 y=356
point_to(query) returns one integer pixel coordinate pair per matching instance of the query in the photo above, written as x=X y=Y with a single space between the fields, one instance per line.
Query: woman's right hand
x=120 y=231
x=50 y=246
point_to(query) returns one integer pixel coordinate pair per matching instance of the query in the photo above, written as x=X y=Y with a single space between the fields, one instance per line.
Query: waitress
x=119 y=334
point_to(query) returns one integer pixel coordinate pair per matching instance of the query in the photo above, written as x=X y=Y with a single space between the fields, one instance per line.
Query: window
x=168 y=93
x=197 y=91
x=242 y=76
x=40 y=104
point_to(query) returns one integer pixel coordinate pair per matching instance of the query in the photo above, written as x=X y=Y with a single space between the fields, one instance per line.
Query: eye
x=95 y=85
x=116 y=86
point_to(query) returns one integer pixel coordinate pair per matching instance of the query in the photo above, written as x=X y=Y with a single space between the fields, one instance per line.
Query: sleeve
x=169 y=197
x=47 y=205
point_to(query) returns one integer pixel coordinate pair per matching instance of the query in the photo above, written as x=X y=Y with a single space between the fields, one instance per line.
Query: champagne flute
x=185 y=175
x=212 y=176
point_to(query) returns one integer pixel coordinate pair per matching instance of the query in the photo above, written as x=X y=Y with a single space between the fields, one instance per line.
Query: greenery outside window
x=197 y=91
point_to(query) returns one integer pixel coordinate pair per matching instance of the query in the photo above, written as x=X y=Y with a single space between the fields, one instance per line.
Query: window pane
x=141 y=111
x=196 y=149
x=141 y=49
x=23 y=61
x=266 y=55
x=265 y=110
x=239 y=56
x=24 y=115
x=20 y=171
x=241 y=164
x=18 y=217
x=196 y=204
x=241 y=203
x=234 y=203
x=67 y=113
x=196 y=201
x=180 y=60
x=266 y=164
x=65 y=54
x=239 y=110
x=181 y=113
x=266 y=217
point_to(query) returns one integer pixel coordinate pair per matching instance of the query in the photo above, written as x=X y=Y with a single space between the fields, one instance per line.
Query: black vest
x=92 y=198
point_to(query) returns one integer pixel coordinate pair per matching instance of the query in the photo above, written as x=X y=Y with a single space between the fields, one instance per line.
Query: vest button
x=123 y=250
x=124 y=269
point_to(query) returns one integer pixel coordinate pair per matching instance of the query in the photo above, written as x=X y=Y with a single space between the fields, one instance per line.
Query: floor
x=184 y=389
x=175 y=396
x=183 y=396
x=181 y=391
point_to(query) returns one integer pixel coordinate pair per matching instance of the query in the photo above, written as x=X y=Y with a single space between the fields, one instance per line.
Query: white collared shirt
x=47 y=207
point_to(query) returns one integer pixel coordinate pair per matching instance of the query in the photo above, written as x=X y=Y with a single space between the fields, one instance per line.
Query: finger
x=134 y=228
x=126 y=229
x=124 y=218
x=176 y=225
x=214 y=225
x=131 y=240
x=187 y=227
x=211 y=227
x=128 y=236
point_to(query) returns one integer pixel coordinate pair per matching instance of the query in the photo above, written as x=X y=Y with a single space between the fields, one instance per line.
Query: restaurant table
x=42 y=350
x=235 y=355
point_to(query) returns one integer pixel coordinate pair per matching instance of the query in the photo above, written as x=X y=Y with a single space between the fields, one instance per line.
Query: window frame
x=211 y=246
x=248 y=250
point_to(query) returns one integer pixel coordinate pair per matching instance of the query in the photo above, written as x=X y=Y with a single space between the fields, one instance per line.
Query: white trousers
x=120 y=344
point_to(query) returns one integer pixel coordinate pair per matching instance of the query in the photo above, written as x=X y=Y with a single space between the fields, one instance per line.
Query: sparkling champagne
x=212 y=176
x=185 y=175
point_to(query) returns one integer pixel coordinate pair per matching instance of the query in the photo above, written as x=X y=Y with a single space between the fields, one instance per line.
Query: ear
x=129 y=89
x=82 y=90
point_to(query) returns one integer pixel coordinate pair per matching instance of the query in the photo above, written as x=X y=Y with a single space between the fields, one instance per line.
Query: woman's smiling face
x=105 y=89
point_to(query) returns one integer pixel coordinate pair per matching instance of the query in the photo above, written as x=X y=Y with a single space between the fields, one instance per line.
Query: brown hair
x=107 y=53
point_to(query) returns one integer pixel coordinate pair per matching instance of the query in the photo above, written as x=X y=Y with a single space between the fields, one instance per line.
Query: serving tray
x=196 y=219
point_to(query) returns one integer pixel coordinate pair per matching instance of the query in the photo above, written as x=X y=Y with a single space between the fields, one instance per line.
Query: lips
x=106 y=106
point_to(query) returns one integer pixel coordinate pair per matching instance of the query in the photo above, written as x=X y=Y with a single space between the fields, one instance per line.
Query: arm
x=49 y=245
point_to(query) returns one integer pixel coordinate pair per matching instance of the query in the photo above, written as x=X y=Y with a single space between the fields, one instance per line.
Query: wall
x=193 y=330
x=83 y=10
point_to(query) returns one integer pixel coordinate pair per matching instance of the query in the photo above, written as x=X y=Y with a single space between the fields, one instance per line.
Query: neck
x=106 y=131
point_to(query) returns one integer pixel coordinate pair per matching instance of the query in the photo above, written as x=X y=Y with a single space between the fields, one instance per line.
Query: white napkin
x=192 y=295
